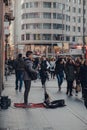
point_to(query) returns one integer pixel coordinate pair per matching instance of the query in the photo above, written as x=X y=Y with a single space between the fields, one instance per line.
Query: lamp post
x=1 y=45
x=62 y=29
x=84 y=49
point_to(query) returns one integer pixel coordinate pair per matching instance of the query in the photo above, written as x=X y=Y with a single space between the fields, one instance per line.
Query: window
x=74 y=10
x=60 y=16
x=26 y=5
x=79 y=10
x=30 y=15
x=46 y=37
x=58 y=26
x=68 y=8
x=47 y=4
x=67 y=38
x=31 y=4
x=36 y=4
x=74 y=28
x=54 y=15
x=67 y=18
x=74 y=1
x=27 y=26
x=84 y=20
x=22 y=37
x=73 y=38
x=47 y=15
x=37 y=26
x=74 y=19
x=54 y=4
x=79 y=29
x=37 y=37
x=67 y=0
x=79 y=19
x=79 y=1
x=67 y=28
x=84 y=11
x=23 y=26
x=46 y=26
x=23 y=5
x=27 y=36
x=84 y=2
x=58 y=37
x=61 y=6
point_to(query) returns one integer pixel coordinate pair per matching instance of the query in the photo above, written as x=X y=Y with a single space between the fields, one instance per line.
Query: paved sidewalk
x=71 y=117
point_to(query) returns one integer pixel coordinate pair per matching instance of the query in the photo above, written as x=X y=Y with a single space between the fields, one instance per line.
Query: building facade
x=6 y=16
x=49 y=26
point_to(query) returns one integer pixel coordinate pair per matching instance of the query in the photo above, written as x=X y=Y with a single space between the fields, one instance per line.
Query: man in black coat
x=83 y=79
x=59 y=71
x=19 y=70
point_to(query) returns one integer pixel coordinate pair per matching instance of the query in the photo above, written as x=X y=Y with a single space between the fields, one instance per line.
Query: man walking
x=19 y=70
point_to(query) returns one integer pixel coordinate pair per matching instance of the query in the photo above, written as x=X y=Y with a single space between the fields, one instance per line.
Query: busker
x=27 y=77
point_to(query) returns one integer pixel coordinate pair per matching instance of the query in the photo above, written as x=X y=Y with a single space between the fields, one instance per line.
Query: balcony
x=9 y=16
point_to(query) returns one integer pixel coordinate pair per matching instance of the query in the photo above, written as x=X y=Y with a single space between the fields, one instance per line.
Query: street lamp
x=83 y=29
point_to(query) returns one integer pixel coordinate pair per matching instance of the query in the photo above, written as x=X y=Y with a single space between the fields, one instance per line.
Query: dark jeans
x=19 y=78
x=52 y=74
x=43 y=80
x=83 y=84
x=27 y=89
x=60 y=79
x=69 y=86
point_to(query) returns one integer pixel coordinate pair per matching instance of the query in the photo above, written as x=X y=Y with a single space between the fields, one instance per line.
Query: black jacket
x=83 y=74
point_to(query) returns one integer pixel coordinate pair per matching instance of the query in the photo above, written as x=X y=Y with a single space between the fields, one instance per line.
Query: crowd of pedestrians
x=73 y=70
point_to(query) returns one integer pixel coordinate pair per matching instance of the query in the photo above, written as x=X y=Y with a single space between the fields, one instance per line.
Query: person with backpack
x=19 y=70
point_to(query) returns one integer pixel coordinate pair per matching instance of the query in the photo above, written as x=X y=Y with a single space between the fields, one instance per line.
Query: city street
x=71 y=117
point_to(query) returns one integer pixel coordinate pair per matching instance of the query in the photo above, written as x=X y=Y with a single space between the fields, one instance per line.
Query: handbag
x=78 y=88
x=74 y=84
x=33 y=75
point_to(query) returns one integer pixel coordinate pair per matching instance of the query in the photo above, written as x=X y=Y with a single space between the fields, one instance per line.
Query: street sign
x=75 y=51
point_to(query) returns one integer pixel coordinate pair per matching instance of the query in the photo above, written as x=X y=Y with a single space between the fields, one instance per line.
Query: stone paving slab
x=71 y=117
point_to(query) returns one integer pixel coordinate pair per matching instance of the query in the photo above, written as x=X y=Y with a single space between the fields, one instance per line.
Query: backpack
x=19 y=64
x=5 y=102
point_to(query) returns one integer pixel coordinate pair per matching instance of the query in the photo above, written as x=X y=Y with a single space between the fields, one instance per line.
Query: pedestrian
x=70 y=75
x=26 y=77
x=83 y=79
x=59 y=71
x=43 y=71
x=19 y=70
x=52 y=68
x=77 y=75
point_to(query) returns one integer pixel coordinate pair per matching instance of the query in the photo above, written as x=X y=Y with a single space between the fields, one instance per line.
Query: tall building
x=6 y=16
x=49 y=26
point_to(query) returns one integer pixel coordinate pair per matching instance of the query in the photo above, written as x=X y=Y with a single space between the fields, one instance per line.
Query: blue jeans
x=19 y=78
x=60 y=79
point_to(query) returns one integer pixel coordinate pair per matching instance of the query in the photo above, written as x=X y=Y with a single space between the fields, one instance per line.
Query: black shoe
x=59 y=88
x=19 y=90
x=67 y=93
x=71 y=94
x=16 y=88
